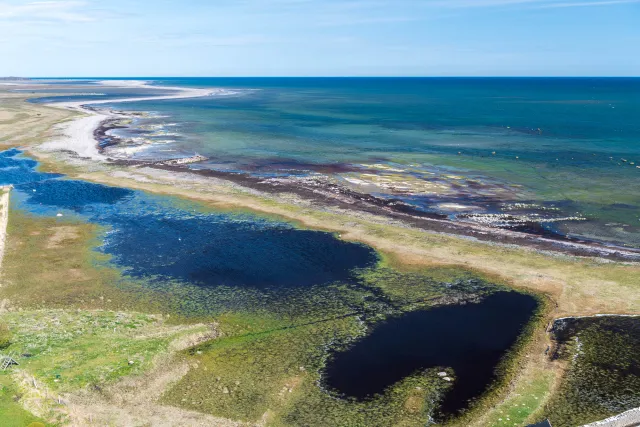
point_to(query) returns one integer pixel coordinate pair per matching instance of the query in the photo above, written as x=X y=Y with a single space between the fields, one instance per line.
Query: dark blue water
x=157 y=237
x=471 y=339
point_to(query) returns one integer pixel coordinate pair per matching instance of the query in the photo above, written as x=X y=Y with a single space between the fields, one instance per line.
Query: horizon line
x=334 y=77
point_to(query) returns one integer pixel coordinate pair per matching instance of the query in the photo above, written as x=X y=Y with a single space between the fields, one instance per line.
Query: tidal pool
x=469 y=339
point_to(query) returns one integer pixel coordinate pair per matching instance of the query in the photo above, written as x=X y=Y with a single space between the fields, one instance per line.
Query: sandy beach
x=78 y=135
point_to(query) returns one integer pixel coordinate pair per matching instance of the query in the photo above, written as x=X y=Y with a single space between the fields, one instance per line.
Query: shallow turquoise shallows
x=566 y=150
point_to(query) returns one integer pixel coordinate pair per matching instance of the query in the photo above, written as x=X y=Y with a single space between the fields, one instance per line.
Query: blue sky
x=320 y=37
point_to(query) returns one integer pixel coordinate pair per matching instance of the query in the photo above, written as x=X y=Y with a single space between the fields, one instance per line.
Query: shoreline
x=80 y=136
x=329 y=193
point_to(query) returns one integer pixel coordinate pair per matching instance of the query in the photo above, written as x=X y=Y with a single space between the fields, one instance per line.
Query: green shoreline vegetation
x=267 y=356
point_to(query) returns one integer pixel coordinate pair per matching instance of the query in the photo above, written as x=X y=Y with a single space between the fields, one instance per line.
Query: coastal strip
x=329 y=195
x=78 y=135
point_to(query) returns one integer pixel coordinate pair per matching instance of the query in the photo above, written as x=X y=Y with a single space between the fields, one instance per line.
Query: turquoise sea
x=561 y=153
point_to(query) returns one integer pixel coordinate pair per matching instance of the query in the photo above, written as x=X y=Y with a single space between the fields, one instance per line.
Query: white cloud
x=476 y=3
x=56 y=11
x=207 y=40
x=537 y=3
x=588 y=3
x=336 y=21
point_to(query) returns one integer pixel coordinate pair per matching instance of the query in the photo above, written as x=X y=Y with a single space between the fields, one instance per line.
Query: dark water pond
x=471 y=339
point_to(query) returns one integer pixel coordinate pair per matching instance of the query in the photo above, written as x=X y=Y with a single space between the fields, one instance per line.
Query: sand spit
x=78 y=135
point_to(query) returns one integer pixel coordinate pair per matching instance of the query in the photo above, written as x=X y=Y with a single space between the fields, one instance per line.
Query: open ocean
x=561 y=152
